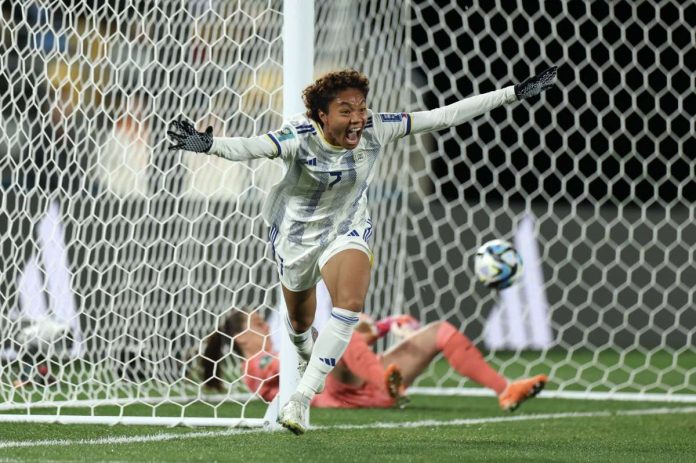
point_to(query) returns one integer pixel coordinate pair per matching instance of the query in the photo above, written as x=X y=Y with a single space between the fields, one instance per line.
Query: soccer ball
x=498 y=265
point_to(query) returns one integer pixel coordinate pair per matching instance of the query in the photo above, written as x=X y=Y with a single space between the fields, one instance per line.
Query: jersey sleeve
x=363 y=362
x=389 y=127
x=282 y=143
x=286 y=140
x=461 y=111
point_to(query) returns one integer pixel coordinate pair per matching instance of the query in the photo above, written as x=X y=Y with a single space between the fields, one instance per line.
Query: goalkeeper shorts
x=299 y=265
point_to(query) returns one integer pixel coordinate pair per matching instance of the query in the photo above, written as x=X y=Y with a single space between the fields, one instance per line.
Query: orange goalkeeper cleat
x=518 y=391
x=395 y=385
x=393 y=380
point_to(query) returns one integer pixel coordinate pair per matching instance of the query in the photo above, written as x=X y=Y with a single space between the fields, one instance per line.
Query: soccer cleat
x=293 y=415
x=392 y=376
x=395 y=385
x=518 y=391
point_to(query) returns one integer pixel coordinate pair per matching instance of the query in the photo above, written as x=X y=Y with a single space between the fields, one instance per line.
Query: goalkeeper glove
x=400 y=325
x=536 y=84
x=185 y=137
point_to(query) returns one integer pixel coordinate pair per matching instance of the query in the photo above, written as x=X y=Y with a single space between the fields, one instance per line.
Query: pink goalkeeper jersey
x=261 y=377
x=261 y=374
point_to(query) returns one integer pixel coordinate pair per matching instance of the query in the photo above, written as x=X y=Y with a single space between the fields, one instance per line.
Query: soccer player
x=361 y=379
x=317 y=214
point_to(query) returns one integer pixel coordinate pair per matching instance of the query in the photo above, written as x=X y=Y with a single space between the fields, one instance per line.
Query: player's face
x=254 y=338
x=345 y=121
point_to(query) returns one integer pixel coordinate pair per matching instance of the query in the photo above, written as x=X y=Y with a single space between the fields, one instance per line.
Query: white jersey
x=323 y=193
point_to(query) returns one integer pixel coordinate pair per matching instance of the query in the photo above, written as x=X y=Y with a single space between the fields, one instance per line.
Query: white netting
x=138 y=253
x=122 y=255
x=156 y=247
x=603 y=165
x=593 y=182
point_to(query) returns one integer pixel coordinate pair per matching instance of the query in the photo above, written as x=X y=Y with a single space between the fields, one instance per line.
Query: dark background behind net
x=606 y=162
x=619 y=127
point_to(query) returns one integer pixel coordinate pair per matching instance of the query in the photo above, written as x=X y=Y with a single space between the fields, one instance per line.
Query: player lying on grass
x=361 y=379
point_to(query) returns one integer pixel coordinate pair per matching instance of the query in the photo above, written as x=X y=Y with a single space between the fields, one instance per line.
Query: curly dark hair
x=319 y=94
x=232 y=325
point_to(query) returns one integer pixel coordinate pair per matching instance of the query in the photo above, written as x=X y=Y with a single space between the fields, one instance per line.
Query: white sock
x=304 y=342
x=328 y=350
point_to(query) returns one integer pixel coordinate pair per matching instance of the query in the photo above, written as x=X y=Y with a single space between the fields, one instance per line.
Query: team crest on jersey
x=284 y=134
x=393 y=117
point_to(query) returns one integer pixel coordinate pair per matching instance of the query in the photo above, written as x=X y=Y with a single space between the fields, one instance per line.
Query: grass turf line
x=617 y=434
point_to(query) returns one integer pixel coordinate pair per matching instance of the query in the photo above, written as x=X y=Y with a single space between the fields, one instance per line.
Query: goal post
x=298 y=49
x=159 y=246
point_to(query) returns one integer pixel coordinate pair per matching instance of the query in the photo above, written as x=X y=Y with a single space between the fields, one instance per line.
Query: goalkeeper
x=361 y=379
x=318 y=215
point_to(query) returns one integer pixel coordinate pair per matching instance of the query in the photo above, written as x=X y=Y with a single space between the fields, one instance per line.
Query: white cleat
x=293 y=415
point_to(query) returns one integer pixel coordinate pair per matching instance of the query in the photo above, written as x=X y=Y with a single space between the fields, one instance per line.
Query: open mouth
x=353 y=135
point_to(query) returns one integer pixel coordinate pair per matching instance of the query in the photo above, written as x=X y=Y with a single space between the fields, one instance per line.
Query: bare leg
x=301 y=307
x=414 y=354
x=347 y=277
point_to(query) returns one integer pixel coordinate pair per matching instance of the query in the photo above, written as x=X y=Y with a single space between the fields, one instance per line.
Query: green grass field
x=429 y=429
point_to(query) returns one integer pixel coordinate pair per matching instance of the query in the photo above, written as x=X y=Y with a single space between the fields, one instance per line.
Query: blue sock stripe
x=356 y=317
x=349 y=320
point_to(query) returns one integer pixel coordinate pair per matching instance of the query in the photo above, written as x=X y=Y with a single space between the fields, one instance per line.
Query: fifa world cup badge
x=359 y=156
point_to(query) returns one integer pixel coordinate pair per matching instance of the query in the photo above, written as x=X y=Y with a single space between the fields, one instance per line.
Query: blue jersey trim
x=276 y=142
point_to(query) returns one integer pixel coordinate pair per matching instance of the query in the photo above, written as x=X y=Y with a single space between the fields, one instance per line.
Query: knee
x=441 y=332
x=435 y=327
x=301 y=323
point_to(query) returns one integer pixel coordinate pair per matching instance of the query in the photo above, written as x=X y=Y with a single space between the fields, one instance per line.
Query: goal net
x=593 y=182
x=120 y=258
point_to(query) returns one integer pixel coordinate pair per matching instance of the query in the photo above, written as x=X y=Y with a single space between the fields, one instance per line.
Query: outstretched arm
x=467 y=109
x=186 y=137
x=462 y=111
